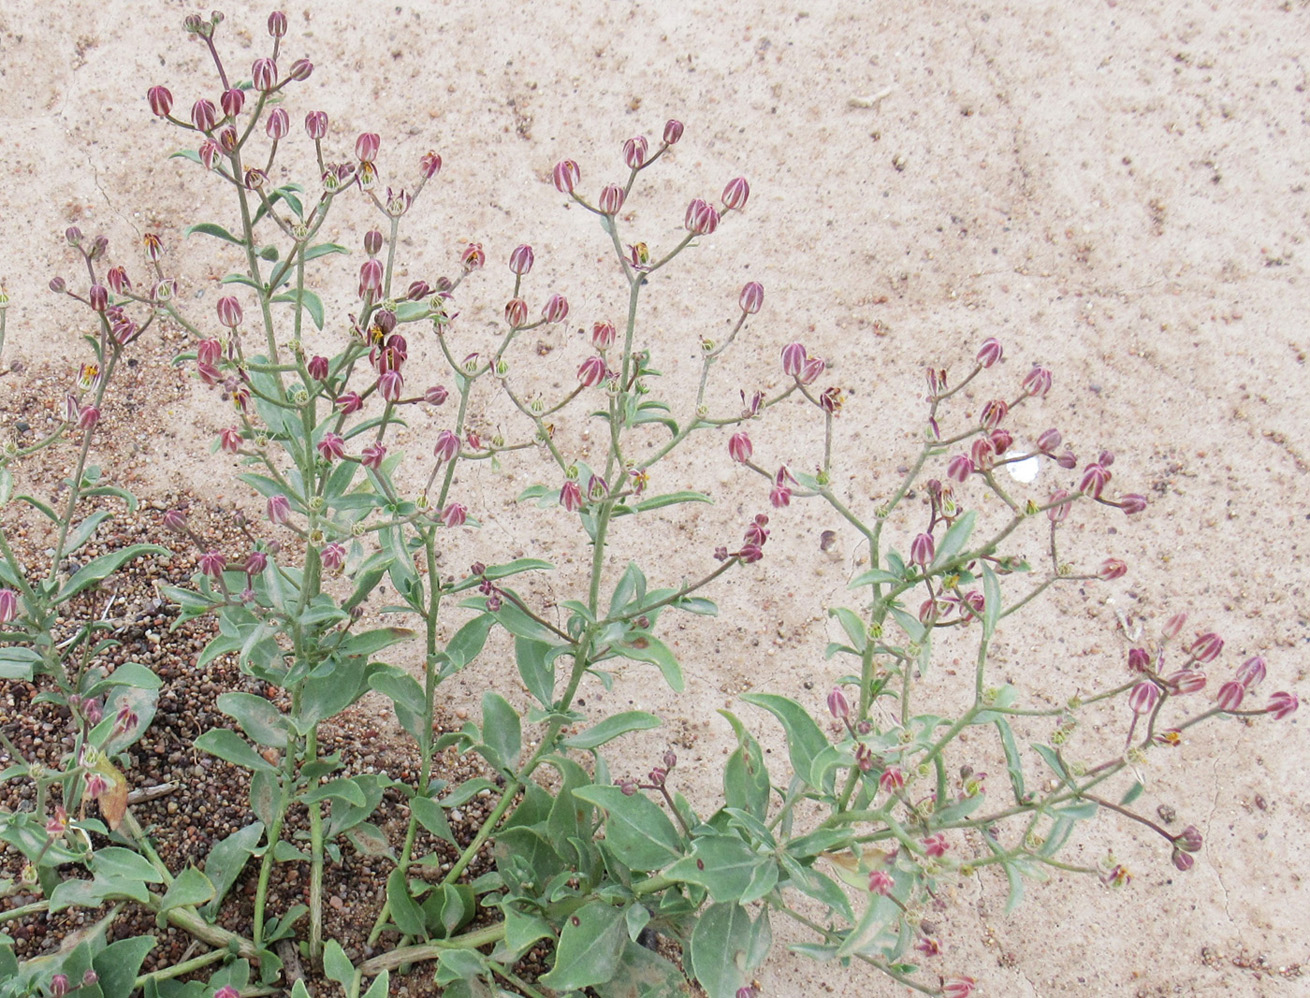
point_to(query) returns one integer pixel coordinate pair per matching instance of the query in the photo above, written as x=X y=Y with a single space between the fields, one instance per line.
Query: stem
x=486 y=936
x=178 y=969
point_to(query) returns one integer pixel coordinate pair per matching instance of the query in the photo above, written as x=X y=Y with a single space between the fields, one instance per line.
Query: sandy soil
x=1118 y=191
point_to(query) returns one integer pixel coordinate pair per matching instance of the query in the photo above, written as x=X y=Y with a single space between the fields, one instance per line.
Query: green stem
x=485 y=936
x=178 y=969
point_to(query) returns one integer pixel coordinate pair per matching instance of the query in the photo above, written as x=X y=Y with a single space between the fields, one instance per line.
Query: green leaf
x=190 y=888
x=343 y=789
x=226 y=860
x=381 y=986
x=117 y=862
x=132 y=674
x=853 y=626
x=589 y=948
x=449 y=908
x=468 y=641
x=84 y=530
x=1133 y=793
x=260 y=720
x=432 y=817
x=630 y=587
x=535 y=660
x=522 y=930
x=1016 y=888
x=231 y=747
x=17 y=662
x=373 y=641
x=1013 y=761
x=670 y=499
x=644 y=647
x=209 y=228
x=406 y=696
x=954 y=542
x=6 y=486
x=323 y=249
x=405 y=911
x=745 y=777
x=337 y=966
x=1049 y=755
x=805 y=740
x=723 y=864
x=503 y=571
x=501 y=731
x=611 y=728
x=874 y=576
x=307 y=300
x=726 y=947
x=97 y=570
x=117 y=965
x=370 y=841
x=638 y=832
x=991 y=601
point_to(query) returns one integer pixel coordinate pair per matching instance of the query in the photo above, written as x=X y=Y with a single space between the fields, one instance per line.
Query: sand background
x=1118 y=192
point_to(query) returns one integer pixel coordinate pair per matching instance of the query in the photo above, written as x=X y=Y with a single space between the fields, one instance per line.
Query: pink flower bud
x=779 y=496
x=736 y=194
x=256 y=562
x=959 y=468
x=1281 y=704
x=278 y=124
x=1139 y=659
x=892 y=779
x=390 y=385
x=994 y=413
x=1173 y=626
x=317 y=368
x=1182 y=861
x=863 y=757
x=59 y=982
x=990 y=352
x=349 y=403
x=570 y=496
x=566 y=176
x=1206 y=647
x=366 y=147
x=701 y=218
x=1049 y=440
x=373 y=242
x=793 y=359
x=372 y=456
x=370 y=278
x=1132 y=503
x=1058 y=513
x=228 y=141
x=209 y=152
x=88 y=417
x=8 y=605
x=279 y=507
x=591 y=372
x=232 y=101
x=98 y=296
x=516 y=312
x=331 y=447
x=161 y=101
x=982 y=452
x=58 y=285
x=811 y=369
x=1252 y=672
x=838 y=706
x=752 y=298
x=175 y=520
x=603 y=335
x=1037 y=382
x=611 y=199
x=118 y=280
x=301 y=70
x=1111 y=569
x=922 y=550
x=473 y=258
x=1230 y=695
x=672 y=131
x=447 y=446
x=556 y=309
x=212 y=564
x=454 y=514
x=739 y=448
x=1190 y=839
x=1187 y=681
x=316 y=124
x=935 y=846
x=1094 y=480
x=333 y=557
x=229 y=312
x=1001 y=440
x=1143 y=697
x=634 y=152
x=880 y=882
x=277 y=24
x=959 y=987
x=229 y=439
x=436 y=395
x=203 y=115
x=521 y=260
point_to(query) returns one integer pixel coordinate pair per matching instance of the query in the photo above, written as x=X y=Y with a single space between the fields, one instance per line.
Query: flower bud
x=922 y=550
x=959 y=468
x=1132 y=503
x=603 y=335
x=1187 y=681
x=87 y=417
x=1139 y=659
x=958 y=987
x=990 y=352
x=1230 y=695
x=1281 y=704
x=1189 y=840
x=1143 y=697
x=447 y=446
x=1252 y=672
x=1037 y=382
x=454 y=514
x=278 y=124
x=701 y=218
x=611 y=199
x=333 y=556
x=229 y=312
x=366 y=147
x=316 y=124
x=1111 y=569
x=556 y=309
x=591 y=372
x=838 y=706
x=1206 y=647
x=739 y=448
x=736 y=193
x=208 y=152
x=521 y=260
x=98 y=296
x=390 y=385
x=161 y=101
x=277 y=24
x=279 y=507
x=566 y=176
x=229 y=439
x=892 y=779
x=516 y=312
x=232 y=101
x=228 y=140
x=212 y=564
x=935 y=846
x=8 y=605
x=793 y=359
x=256 y=562
x=811 y=369
x=880 y=882
x=436 y=395
x=118 y=280
x=203 y=115
x=98 y=248
x=300 y=70
x=264 y=74
x=570 y=496
x=779 y=496
x=1182 y=861
x=59 y=985
x=994 y=413
x=58 y=285
x=175 y=520
x=1049 y=440
x=672 y=131
x=331 y=447
x=1001 y=440
x=752 y=298
x=982 y=452
x=634 y=152
x=1094 y=480
x=370 y=277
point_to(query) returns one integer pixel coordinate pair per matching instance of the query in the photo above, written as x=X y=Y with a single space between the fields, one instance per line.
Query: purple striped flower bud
x=370 y=278
x=229 y=312
x=390 y=385
x=1251 y=673
x=1190 y=839
x=301 y=70
x=811 y=369
x=256 y=562
x=212 y=564
x=277 y=24
x=203 y=115
x=591 y=372
x=366 y=147
x=702 y=218
x=516 y=312
x=8 y=605
x=1174 y=626
x=118 y=280
x=1281 y=704
x=161 y=101
x=603 y=335
x=521 y=260
x=278 y=124
x=1187 y=681
x=990 y=352
x=752 y=298
x=570 y=496
x=317 y=368
x=232 y=101
x=1111 y=569
x=447 y=446
x=1049 y=440
x=264 y=74
x=740 y=448
x=454 y=514
x=208 y=152
x=922 y=550
x=316 y=124
x=793 y=359
x=994 y=413
x=1132 y=503
x=634 y=152
x=228 y=140
x=1001 y=439
x=175 y=520
x=566 y=176
x=1206 y=647
x=98 y=296
x=672 y=131
x=436 y=395
x=1230 y=696
x=1095 y=478
x=349 y=403
x=372 y=456
x=87 y=417
x=333 y=556
x=982 y=452
x=556 y=309
x=331 y=447
x=880 y=882
x=1143 y=697
x=279 y=508
x=1139 y=659
x=229 y=439
x=611 y=199
x=779 y=496
x=1037 y=382
x=892 y=779
x=838 y=706
x=736 y=194
x=959 y=468
x=473 y=257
